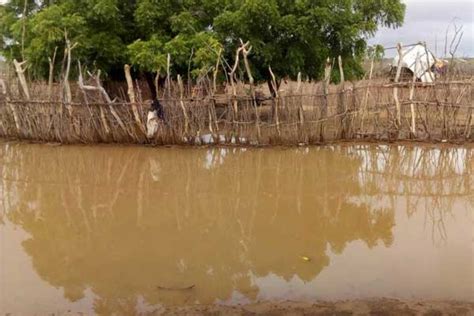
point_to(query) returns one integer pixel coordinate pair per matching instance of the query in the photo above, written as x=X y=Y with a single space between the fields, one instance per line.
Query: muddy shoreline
x=382 y=306
x=434 y=143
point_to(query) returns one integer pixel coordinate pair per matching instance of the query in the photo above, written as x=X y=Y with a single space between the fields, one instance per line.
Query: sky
x=427 y=20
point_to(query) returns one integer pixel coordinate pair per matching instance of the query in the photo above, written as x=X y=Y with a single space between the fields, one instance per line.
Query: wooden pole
x=341 y=104
x=299 y=89
x=326 y=82
x=232 y=81
x=132 y=97
x=21 y=76
x=83 y=88
x=181 y=103
x=276 y=100
x=109 y=102
x=52 y=61
x=366 y=97
x=168 y=75
x=216 y=71
x=395 y=89
x=245 y=53
x=11 y=106
x=412 y=94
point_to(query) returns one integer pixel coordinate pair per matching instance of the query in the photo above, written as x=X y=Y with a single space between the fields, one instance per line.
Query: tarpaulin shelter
x=418 y=60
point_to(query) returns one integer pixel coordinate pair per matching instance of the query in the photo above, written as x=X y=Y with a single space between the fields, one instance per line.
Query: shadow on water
x=138 y=222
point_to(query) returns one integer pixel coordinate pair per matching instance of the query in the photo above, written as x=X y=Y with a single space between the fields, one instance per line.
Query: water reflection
x=132 y=223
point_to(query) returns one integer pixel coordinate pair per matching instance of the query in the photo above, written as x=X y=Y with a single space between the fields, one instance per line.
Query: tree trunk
x=270 y=87
x=151 y=84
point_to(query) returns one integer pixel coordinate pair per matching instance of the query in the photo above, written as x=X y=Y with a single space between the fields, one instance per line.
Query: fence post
x=51 y=73
x=276 y=100
x=131 y=95
x=412 y=95
x=299 y=89
x=341 y=106
x=326 y=82
x=245 y=53
x=183 y=108
x=21 y=76
x=395 y=88
x=366 y=97
x=10 y=105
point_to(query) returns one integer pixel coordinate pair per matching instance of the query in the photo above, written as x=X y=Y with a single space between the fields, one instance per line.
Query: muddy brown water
x=131 y=229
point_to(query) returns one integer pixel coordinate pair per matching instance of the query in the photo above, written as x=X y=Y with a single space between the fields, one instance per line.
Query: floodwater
x=132 y=229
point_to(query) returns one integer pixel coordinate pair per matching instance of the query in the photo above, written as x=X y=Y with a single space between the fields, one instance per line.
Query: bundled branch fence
x=300 y=113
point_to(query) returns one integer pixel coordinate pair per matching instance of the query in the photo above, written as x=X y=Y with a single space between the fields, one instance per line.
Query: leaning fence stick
x=428 y=63
x=84 y=88
x=21 y=76
x=109 y=102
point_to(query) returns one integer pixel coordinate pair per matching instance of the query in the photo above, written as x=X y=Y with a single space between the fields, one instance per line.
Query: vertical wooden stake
x=277 y=98
x=327 y=80
x=412 y=94
x=21 y=76
x=168 y=75
x=11 y=106
x=216 y=71
x=52 y=61
x=395 y=88
x=342 y=104
x=299 y=89
x=366 y=97
x=245 y=53
x=181 y=103
x=132 y=97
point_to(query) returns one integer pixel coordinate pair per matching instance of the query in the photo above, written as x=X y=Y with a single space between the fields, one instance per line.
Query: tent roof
x=426 y=60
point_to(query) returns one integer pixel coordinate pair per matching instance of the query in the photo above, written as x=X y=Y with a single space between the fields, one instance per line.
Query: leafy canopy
x=291 y=36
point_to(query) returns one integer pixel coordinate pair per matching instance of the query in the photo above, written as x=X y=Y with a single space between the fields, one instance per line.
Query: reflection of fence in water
x=217 y=193
x=228 y=211
x=431 y=179
x=437 y=181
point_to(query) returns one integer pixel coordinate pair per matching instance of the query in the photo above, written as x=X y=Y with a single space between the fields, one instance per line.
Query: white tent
x=422 y=69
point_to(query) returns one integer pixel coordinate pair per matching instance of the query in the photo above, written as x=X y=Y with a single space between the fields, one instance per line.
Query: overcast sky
x=427 y=20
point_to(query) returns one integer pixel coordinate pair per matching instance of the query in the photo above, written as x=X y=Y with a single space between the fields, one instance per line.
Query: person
x=155 y=116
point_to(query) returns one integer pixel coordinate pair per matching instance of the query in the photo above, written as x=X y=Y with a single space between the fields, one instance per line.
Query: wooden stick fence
x=368 y=112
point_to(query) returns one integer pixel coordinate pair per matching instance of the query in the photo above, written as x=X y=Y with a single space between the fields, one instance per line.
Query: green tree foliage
x=291 y=36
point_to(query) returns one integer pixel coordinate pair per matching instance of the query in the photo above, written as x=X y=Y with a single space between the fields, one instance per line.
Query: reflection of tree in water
x=125 y=221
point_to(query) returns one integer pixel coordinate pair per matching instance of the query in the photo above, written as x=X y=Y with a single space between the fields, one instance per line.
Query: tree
x=291 y=36
x=297 y=36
